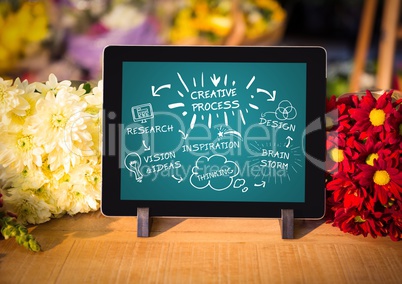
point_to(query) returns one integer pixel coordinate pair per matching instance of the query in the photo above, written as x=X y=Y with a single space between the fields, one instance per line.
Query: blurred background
x=67 y=37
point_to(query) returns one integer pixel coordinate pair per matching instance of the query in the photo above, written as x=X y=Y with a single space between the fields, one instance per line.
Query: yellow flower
x=202 y=19
x=19 y=30
x=262 y=16
x=220 y=25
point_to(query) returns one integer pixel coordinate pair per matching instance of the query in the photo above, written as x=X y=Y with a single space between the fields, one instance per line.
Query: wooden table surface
x=91 y=248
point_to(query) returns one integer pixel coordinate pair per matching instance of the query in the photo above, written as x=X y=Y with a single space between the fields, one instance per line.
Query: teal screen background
x=213 y=131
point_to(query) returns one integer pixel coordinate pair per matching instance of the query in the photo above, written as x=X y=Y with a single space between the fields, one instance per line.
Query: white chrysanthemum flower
x=72 y=199
x=94 y=126
x=25 y=86
x=28 y=207
x=2 y=174
x=52 y=175
x=80 y=189
x=58 y=125
x=50 y=148
x=6 y=175
x=95 y=98
x=29 y=94
x=94 y=123
x=52 y=85
x=19 y=150
x=29 y=178
x=88 y=176
x=62 y=191
x=79 y=139
x=11 y=102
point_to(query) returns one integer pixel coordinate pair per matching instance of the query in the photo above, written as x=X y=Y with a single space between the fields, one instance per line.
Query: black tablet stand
x=287 y=223
x=144 y=223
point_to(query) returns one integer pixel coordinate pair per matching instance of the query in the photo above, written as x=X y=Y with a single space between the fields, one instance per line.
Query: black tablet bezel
x=315 y=59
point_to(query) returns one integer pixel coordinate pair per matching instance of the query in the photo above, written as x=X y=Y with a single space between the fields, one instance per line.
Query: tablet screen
x=206 y=131
x=213 y=131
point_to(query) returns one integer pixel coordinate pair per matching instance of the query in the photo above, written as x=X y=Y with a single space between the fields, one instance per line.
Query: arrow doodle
x=262 y=184
x=271 y=96
x=215 y=80
x=179 y=179
x=289 y=139
x=146 y=148
x=155 y=92
x=184 y=135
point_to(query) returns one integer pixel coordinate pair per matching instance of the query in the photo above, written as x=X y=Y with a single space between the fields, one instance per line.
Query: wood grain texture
x=91 y=248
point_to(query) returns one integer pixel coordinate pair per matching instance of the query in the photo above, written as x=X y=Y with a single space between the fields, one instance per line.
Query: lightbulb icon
x=133 y=164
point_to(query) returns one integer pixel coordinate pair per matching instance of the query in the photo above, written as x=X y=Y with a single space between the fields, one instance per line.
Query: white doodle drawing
x=176 y=105
x=244 y=189
x=155 y=91
x=277 y=163
x=239 y=183
x=201 y=89
x=179 y=179
x=182 y=81
x=183 y=134
x=262 y=184
x=233 y=133
x=133 y=163
x=289 y=140
x=224 y=131
x=271 y=97
x=250 y=83
x=284 y=111
x=215 y=171
x=146 y=148
x=215 y=80
x=141 y=113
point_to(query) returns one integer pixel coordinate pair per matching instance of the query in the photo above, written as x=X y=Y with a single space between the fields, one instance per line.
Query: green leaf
x=87 y=87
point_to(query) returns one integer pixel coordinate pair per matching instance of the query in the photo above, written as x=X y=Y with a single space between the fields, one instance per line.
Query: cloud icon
x=214 y=171
x=239 y=183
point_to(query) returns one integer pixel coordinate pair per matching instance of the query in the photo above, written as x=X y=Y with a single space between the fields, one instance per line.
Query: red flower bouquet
x=364 y=164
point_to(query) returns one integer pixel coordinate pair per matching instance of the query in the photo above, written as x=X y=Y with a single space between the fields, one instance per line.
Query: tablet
x=214 y=131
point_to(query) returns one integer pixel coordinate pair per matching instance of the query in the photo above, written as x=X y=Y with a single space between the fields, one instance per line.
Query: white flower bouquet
x=50 y=148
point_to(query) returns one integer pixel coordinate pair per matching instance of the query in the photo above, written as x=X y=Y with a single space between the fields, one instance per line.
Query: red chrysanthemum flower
x=394 y=219
x=395 y=227
x=357 y=222
x=337 y=115
x=371 y=114
x=394 y=127
x=364 y=164
x=346 y=191
x=383 y=177
x=340 y=153
x=371 y=150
